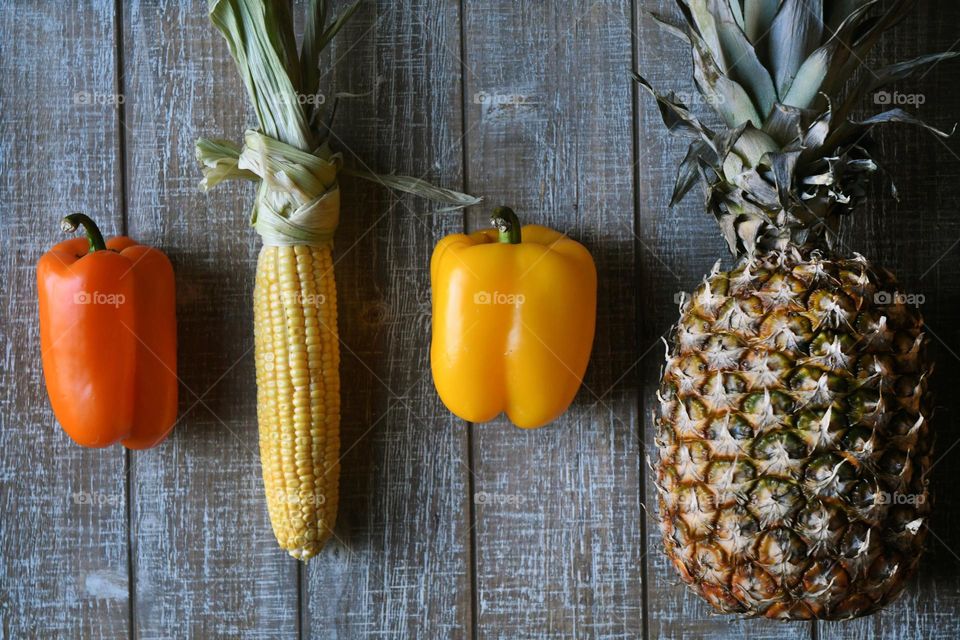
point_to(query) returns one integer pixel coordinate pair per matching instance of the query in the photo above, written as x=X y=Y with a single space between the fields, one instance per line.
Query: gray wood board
x=63 y=528
x=206 y=562
x=558 y=516
x=532 y=107
x=399 y=567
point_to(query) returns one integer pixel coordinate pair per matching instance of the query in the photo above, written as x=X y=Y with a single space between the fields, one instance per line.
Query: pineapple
x=793 y=432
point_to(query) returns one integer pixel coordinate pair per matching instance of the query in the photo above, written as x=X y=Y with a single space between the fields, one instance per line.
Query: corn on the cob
x=295 y=301
x=298 y=393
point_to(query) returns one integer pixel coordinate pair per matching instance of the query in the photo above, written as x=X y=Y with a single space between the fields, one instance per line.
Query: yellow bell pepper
x=513 y=321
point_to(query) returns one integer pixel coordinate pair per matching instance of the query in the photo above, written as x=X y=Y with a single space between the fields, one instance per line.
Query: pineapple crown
x=789 y=162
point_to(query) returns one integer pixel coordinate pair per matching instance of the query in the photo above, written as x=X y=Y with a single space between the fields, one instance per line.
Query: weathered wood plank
x=63 y=540
x=559 y=543
x=679 y=247
x=558 y=513
x=206 y=562
x=400 y=565
x=917 y=238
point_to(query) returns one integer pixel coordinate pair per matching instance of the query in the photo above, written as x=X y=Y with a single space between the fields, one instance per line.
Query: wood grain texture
x=546 y=536
x=558 y=513
x=399 y=567
x=63 y=528
x=206 y=562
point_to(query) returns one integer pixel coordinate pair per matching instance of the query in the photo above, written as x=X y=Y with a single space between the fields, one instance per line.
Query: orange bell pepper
x=108 y=338
x=514 y=311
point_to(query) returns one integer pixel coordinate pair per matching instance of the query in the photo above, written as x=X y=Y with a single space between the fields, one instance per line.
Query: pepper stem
x=507 y=223
x=71 y=222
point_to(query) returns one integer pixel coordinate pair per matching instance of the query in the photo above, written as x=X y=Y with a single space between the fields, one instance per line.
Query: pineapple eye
x=885 y=566
x=907 y=386
x=733 y=383
x=773 y=500
x=857 y=439
x=740 y=429
x=781 y=549
x=863 y=403
x=893 y=462
x=901 y=425
x=805 y=378
x=819 y=518
x=779 y=443
x=857 y=541
x=863 y=495
x=829 y=475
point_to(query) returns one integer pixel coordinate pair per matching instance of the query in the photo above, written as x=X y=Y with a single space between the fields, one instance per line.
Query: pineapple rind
x=793 y=438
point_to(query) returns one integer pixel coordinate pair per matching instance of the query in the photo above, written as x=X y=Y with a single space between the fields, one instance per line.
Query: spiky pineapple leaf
x=743 y=64
x=758 y=18
x=727 y=96
x=726 y=141
x=816 y=134
x=750 y=227
x=760 y=190
x=790 y=164
x=675 y=115
x=784 y=167
x=907 y=68
x=753 y=144
x=814 y=74
x=875 y=80
x=688 y=171
x=783 y=124
x=795 y=33
x=850 y=56
x=843 y=40
x=837 y=11
x=705 y=22
x=669 y=27
x=737 y=12
x=806 y=85
x=904 y=117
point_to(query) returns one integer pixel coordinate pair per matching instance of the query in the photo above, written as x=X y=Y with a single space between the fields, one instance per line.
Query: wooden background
x=446 y=530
